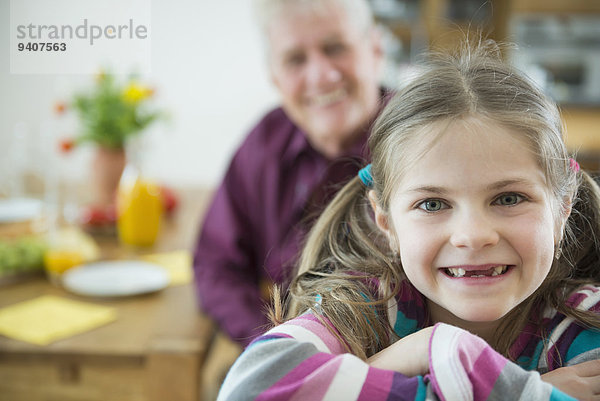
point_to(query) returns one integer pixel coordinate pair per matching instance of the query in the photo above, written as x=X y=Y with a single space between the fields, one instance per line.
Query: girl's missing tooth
x=461 y=264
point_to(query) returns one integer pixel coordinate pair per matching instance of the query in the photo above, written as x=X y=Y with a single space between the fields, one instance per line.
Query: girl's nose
x=473 y=230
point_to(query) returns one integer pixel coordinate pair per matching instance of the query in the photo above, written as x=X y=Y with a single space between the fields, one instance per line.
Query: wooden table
x=153 y=351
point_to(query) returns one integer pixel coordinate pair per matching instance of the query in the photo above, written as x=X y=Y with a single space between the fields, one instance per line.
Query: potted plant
x=110 y=114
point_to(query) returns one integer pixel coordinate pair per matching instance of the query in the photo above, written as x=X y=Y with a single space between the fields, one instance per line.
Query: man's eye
x=294 y=60
x=334 y=48
x=509 y=199
x=432 y=205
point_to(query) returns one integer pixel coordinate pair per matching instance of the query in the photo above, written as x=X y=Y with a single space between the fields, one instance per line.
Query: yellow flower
x=135 y=93
x=100 y=75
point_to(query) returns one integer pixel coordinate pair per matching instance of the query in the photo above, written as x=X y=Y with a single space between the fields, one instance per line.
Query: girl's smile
x=474 y=222
x=481 y=271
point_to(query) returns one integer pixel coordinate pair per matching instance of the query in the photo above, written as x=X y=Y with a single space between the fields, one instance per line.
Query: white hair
x=358 y=11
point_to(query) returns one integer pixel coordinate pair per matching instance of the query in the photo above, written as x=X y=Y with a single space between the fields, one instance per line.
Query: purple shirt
x=261 y=212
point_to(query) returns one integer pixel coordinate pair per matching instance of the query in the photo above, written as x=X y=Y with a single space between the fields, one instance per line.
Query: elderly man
x=324 y=58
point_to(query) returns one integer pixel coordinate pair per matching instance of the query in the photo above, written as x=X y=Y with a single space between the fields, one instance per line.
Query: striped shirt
x=302 y=360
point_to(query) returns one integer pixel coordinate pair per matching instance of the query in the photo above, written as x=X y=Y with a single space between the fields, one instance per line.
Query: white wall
x=208 y=70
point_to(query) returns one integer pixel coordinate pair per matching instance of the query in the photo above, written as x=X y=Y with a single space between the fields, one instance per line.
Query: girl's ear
x=565 y=212
x=381 y=218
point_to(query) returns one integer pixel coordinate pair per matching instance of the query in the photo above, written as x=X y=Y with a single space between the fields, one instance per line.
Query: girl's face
x=473 y=223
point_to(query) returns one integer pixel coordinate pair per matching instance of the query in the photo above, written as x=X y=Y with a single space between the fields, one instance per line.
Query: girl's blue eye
x=432 y=205
x=509 y=199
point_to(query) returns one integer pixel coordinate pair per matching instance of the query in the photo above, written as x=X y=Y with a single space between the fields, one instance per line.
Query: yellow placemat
x=177 y=263
x=49 y=318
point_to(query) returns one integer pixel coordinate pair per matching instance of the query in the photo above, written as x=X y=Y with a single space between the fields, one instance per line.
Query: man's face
x=327 y=70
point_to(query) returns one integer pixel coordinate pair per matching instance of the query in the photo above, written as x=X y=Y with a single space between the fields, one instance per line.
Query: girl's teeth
x=460 y=272
x=498 y=270
x=457 y=271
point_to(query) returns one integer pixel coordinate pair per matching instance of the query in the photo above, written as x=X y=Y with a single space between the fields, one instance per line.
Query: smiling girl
x=460 y=265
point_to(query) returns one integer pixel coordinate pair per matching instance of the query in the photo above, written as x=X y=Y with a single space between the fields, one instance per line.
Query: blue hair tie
x=365 y=175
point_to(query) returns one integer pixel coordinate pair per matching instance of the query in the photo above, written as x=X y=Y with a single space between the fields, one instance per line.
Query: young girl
x=458 y=266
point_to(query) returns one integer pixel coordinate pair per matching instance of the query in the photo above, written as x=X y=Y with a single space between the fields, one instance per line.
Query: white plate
x=115 y=278
x=14 y=210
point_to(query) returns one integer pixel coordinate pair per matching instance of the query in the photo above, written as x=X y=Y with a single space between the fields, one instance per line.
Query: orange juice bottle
x=139 y=209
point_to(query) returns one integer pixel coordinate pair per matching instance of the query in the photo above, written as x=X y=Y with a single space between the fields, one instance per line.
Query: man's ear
x=376 y=46
x=272 y=75
x=381 y=218
x=376 y=37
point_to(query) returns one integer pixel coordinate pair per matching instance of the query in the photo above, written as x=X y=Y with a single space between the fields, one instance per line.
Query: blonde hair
x=347 y=261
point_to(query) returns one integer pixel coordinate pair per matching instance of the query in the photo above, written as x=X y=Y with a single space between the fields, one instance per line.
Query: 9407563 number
x=42 y=46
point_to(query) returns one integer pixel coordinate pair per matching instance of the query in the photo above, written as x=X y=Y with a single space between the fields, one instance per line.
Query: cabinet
x=559 y=46
x=441 y=23
x=416 y=25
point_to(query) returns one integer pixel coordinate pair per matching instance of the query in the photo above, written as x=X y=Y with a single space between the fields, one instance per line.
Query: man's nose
x=474 y=230
x=322 y=70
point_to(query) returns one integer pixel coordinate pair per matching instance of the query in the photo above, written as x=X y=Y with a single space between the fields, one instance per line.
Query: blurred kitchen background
x=208 y=72
x=209 y=75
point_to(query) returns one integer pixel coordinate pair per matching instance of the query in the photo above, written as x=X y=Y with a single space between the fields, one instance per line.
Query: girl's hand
x=409 y=355
x=581 y=381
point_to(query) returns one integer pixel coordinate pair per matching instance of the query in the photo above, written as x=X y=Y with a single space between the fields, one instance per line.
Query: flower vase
x=107 y=167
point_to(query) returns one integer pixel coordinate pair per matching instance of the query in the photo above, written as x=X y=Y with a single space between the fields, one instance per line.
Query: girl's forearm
x=409 y=355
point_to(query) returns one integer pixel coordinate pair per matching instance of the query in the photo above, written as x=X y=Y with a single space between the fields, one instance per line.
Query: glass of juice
x=57 y=260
